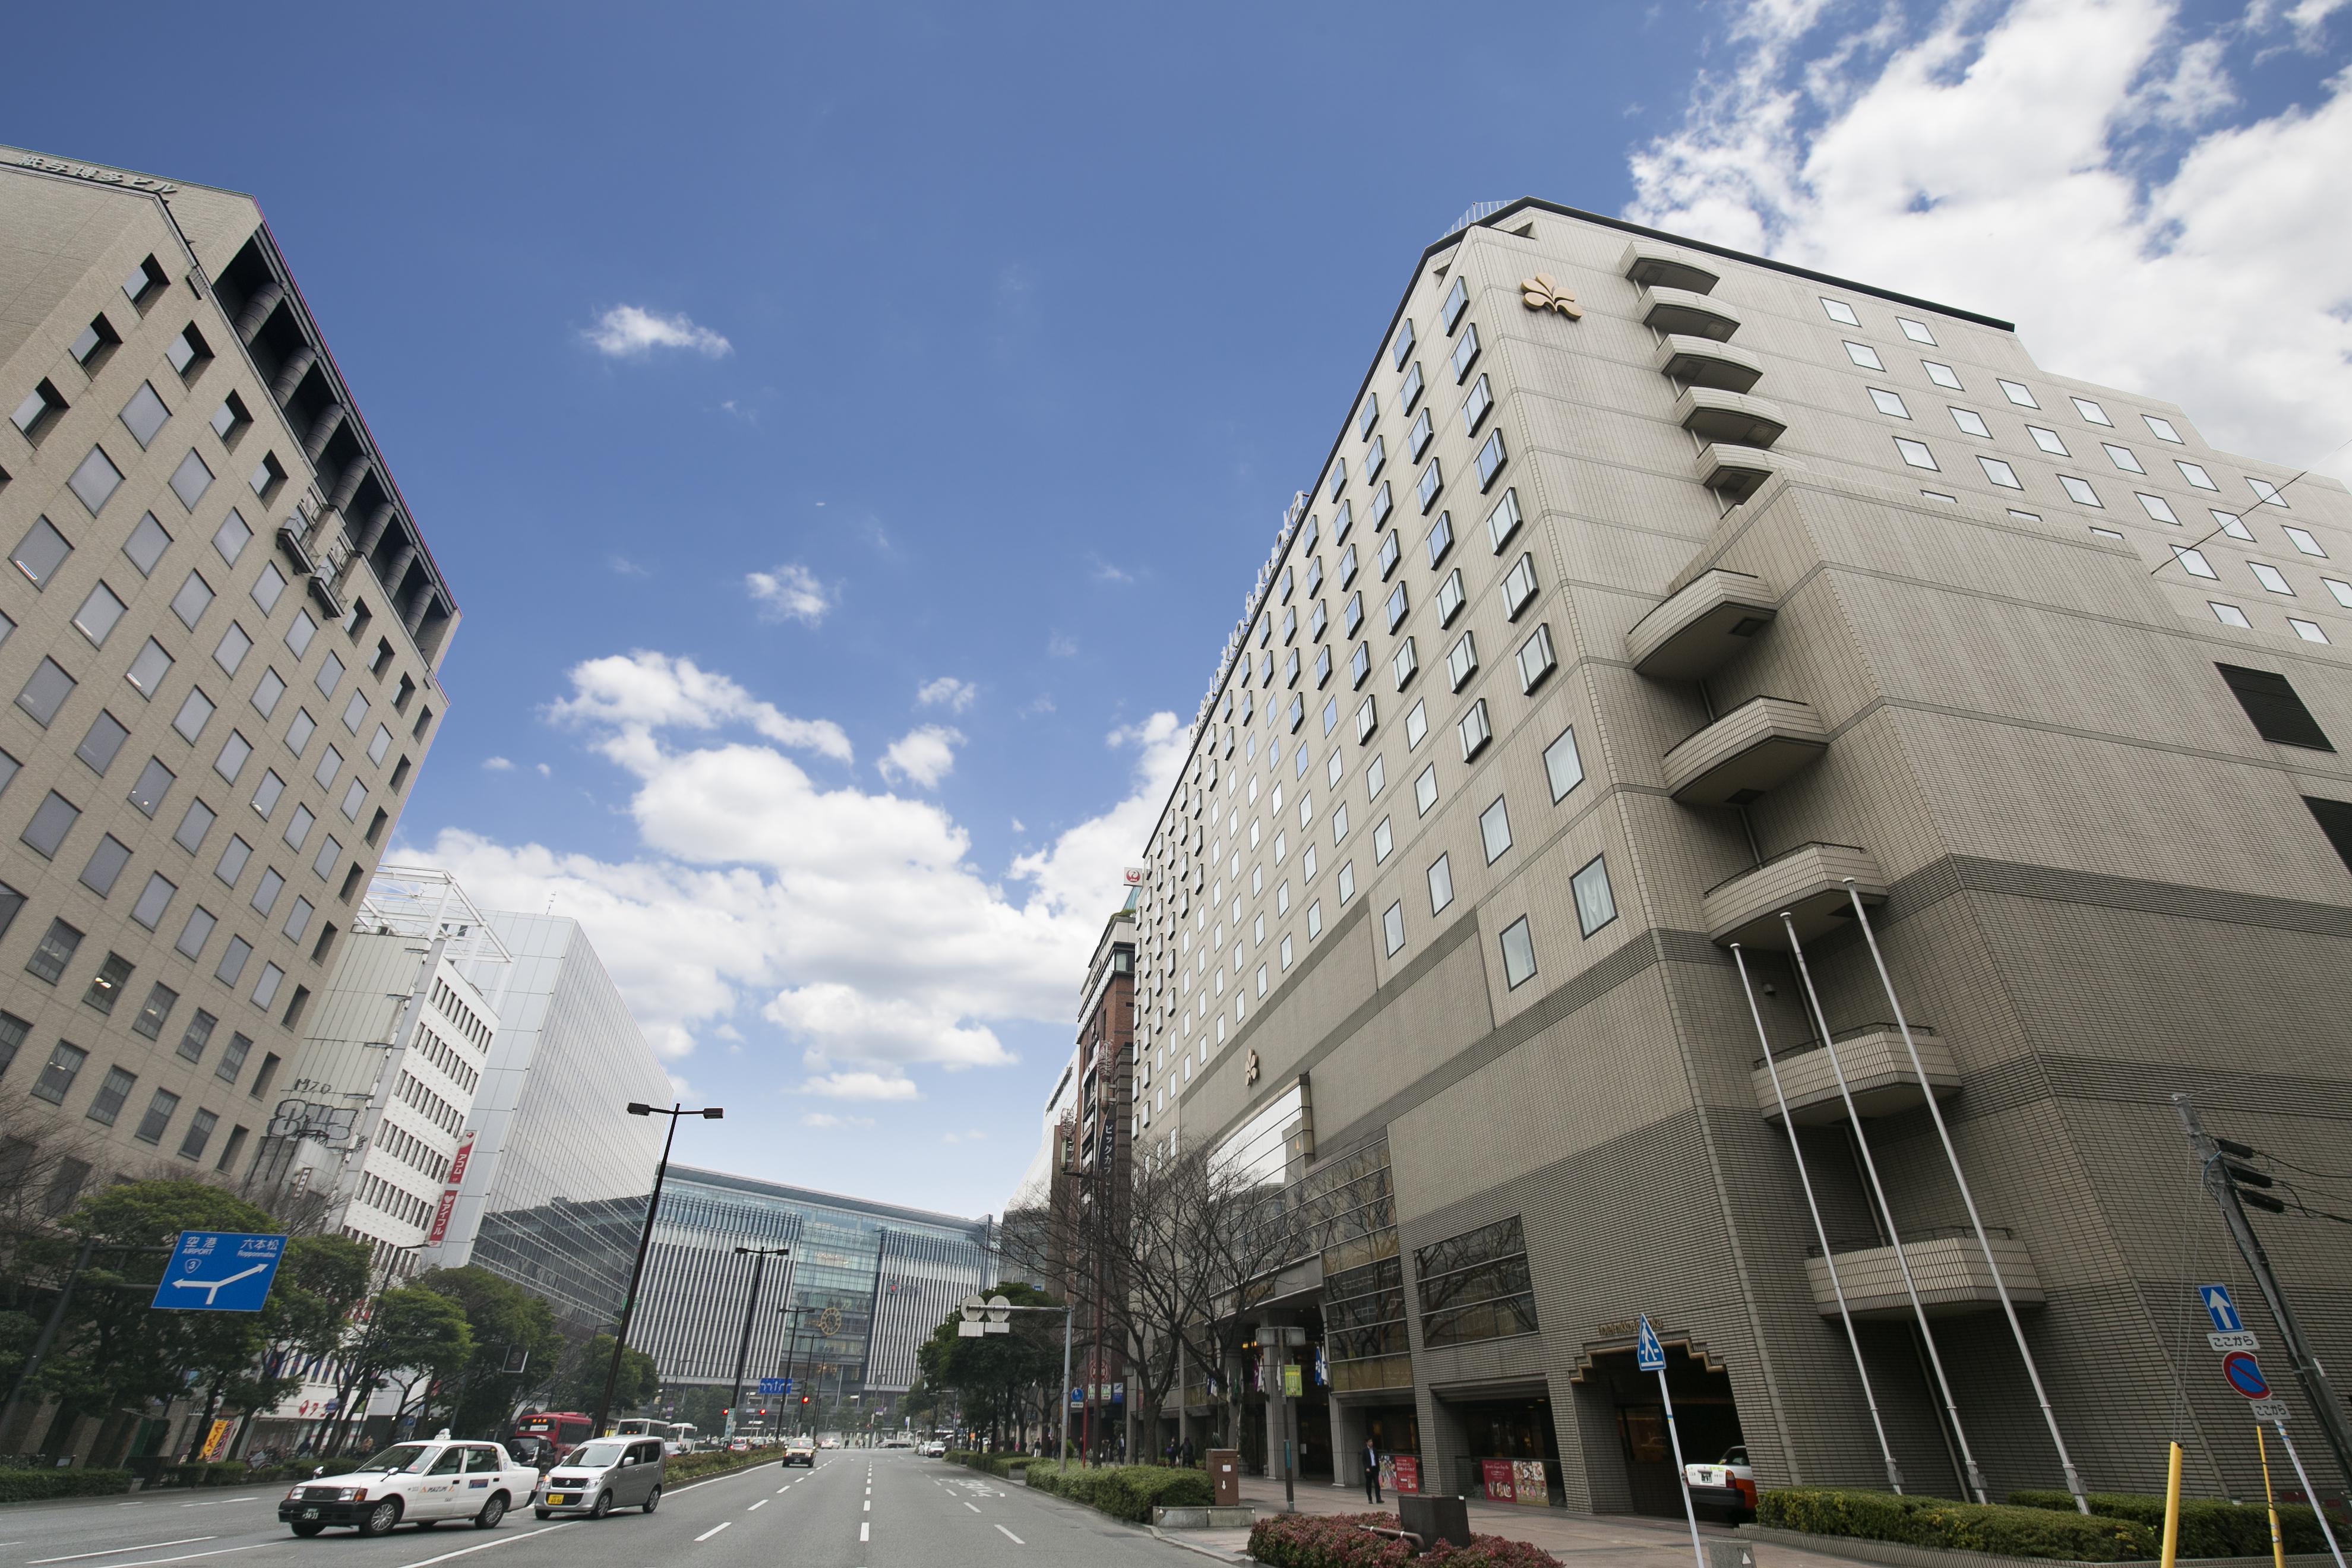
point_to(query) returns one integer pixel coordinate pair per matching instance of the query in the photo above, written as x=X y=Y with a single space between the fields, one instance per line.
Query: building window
x=1504 y=521
x=105 y=864
x=1441 y=884
x=267 y=476
x=1916 y=331
x=2080 y=491
x=1384 y=841
x=188 y=353
x=194 y=597
x=1367 y=415
x=1476 y=1287
x=1389 y=554
x=106 y=985
x=2193 y=562
x=199 y=1134
x=1360 y=665
x=160 y=1108
x=1376 y=457
x=1941 y=496
x=190 y=480
x=1491 y=459
x=2157 y=508
x=1392 y=927
x=1403 y=344
x=1863 y=354
x=1424 y=790
x=1346 y=881
x=233 y=752
x=154 y=783
x=195 y=933
x=1410 y=393
x=2271 y=703
x=1457 y=300
x=1914 y=453
x=38 y=411
x=1376 y=777
x=2021 y=396
x=1971 y=422
x=2342 y=591
x=2122 y=457
x=232 y=964
x=1943 y=375
x=52 y=820
x=1841 y=312
x=1519 y=586
x=1465 y=352
x=2195 y=474
x=1889 y=402
x=95 y=482
x=1536 y=659
x=1425 y=488
x=232 y=1062
x=2307 y=630
x=265 y=990
x=231 y=420
x=2092 y=412
x=1564 y=769
x=1367 y=720
x=102 y=742
x=41 y=551
x=1462 y=660
x=231 y=865
x=2268 y=576
x=1417 y=438
x=1440 y=539
x=1381 y=506
x=2302 y=540
x=383 y=741
x=1595 y=906
x=1404 y=664
x=106 y=1105
x=1495 y=830
x=1397 y=606
x=58 y=1073
x=194 y=825
x=1449 y=597
x=1416 y=725
x=1999 y=472
x=299 y=634
x=231 y=537
x=1475 y=730
x=146 y=544
x=1313 y=919
x=156 y=897
x=144 y=415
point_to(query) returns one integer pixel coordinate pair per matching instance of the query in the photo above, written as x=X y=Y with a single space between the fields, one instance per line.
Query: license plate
x=309 y=1513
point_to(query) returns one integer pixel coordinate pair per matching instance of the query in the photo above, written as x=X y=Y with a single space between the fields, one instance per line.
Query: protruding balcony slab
x=1808 y=881
x=1695 y=315
x=1947 y=1268
x=1713 y=415
x=1739 y=472
x=1877 y=1073
x=1745 y=753
x=1710 y=618
x=1704 y=362
x=1654 y=264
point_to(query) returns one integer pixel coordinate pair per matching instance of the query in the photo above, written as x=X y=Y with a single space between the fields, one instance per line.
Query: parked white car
x=413 y=1483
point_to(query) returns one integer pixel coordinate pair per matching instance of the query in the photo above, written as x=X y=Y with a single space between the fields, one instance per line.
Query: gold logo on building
x=1250 y=1074
x=1541 y=293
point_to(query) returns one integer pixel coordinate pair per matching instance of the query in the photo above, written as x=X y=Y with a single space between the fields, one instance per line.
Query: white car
x=935 y=1450
x=1728 y=1484
x=413 y=1483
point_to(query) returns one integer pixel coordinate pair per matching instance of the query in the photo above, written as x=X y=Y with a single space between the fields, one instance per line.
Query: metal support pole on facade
x=1951 y=1408
x=1069 y=1316
x=1829 y=1259
x=1967 y=1198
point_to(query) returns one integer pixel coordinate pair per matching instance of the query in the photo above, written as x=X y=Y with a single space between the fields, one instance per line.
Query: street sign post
x=2244 y=1374
x=2220 y=1309
x=1651 y=1356
x=775 y=1387
x=218 y=1271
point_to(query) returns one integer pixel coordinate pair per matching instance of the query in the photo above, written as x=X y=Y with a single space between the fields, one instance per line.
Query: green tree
x=997 y=1377
x=511 y=1328
x=408 y=1330
x=639 y=1380
x=706 y=1406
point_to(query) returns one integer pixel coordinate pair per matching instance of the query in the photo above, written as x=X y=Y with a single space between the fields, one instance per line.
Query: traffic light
x=2242 y=1178
x=805 y=1399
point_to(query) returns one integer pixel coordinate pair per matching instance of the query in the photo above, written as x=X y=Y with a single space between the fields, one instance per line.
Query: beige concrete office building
x=1650 y=592
x=221 y=628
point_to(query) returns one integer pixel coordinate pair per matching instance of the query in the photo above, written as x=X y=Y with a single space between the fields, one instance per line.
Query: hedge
x=994 y=1464
x=2207 y=1528
x=714 y=1462
x=1341 y=1540
x=38 y=1485
x=2010 y=1530
x=1126 y=1491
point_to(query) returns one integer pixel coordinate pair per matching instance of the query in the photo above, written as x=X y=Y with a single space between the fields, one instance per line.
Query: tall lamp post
x=645 y=1242
x=751 y=1311
x=792 y=1355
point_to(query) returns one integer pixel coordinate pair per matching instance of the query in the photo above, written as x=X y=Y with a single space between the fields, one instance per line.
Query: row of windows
x=115 y=1087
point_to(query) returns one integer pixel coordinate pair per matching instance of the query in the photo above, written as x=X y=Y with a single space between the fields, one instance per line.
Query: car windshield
x=399 y=1457
x=598 y=1456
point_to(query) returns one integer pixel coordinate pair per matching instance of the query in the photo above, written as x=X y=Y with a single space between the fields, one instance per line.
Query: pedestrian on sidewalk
x=1371 y=1471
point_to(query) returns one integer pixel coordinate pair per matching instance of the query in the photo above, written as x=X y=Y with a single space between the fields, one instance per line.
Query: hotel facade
x=1739 y=798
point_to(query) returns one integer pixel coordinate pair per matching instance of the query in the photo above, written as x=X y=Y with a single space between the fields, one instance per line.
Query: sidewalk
x=1579 y=1538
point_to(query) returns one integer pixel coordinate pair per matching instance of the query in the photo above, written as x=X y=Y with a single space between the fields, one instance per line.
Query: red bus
x=544 y=1436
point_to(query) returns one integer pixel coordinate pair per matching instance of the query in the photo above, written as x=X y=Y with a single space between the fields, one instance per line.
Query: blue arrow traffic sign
x=2220 y=1309
x=1648 y=1354
x=219 y=1271
x=2245 y=1376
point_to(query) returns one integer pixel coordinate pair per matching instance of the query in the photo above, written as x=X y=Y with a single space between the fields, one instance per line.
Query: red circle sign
x=2245 y=1374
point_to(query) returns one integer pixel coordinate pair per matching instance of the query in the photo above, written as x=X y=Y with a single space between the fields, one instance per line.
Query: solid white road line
x=183 y=1557
x=862 y=1532
x=1009 y=1536
x=757 y=1506
x=713 y=1531
x=465 y=1551
x=115 y=1551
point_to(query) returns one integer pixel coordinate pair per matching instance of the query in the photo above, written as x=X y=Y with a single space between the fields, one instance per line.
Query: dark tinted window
x=2277 y=712
x=2335 y=821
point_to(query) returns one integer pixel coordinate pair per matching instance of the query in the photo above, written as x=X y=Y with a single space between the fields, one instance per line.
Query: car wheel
x=603 y=1506
x=652 y=1499
x=380 y=1519
x=492 y=1513
x=427 y=1523
x=308 y=1530
x=538 y=1513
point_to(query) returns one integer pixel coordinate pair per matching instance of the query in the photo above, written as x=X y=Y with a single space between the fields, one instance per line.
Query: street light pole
x=751 y=1311
x=645 y=1242
x=791 y=1356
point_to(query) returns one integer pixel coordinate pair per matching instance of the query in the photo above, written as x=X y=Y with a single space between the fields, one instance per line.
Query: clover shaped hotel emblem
x=1541 y=293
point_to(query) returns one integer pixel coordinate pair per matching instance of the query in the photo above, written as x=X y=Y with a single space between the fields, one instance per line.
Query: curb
x=1155 y=1531
x=1901 y=1555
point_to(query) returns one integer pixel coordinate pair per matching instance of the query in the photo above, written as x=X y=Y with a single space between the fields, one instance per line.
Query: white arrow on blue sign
x=2220 y=1309
x=219 y=1271
x=1648 y=1354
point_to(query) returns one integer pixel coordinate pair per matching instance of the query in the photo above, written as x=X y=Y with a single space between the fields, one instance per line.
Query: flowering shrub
x=1343 y=1541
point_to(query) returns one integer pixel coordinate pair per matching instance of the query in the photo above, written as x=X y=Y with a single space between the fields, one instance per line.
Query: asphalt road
x=857 y=1509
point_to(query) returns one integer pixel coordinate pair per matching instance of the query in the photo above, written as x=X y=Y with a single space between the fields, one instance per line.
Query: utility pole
x=2221 y=1178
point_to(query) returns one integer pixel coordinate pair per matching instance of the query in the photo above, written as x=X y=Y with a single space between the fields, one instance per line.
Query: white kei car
x=413 y=1483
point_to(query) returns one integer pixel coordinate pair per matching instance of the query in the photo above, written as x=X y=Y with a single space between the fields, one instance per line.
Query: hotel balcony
x=1678 y=311
x=1702 y=623
x=1808 y=881
x=1731 y=417
x=1948 y=1268
x=1703 y=361
x=1739 y=472
x=1655 y=265
x=1745 y=753
x=1877 y=1074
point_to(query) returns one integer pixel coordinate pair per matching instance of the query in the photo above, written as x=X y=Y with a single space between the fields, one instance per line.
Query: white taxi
x=1728 y=1484
x=413 y=1483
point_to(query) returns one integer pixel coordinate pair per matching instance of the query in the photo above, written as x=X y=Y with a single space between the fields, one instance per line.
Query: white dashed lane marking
x=713 y=1531
x=757 y=1506
x=862 y=1532
x=117 y=1550
x=1009 y=1536
x=974 y=1506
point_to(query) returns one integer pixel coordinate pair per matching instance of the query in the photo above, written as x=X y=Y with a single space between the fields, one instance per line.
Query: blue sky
x=846 y=428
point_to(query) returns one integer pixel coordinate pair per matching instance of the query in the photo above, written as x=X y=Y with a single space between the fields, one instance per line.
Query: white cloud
x=926 y=755
x=544 y=770
x=828 y=1119
x=842 y=928
x=947 y=692
x=497 y=766
x=789 y=593
x=631 y=331
x=1061 y=645
x=974 y=1136
x=1988 y=159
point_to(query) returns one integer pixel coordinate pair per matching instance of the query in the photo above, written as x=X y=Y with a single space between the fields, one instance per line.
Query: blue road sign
x=2221 y=1309
x=774 y=1388
x=1077 y=1397
x=1648 y=1354
x=2245 y=1376
x=219 y=1271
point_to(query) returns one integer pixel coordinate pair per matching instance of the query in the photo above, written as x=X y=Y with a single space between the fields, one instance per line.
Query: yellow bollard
x=2172 y=1506
x=2278 y=1544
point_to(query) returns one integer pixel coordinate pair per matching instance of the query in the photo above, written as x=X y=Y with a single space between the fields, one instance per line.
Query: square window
x=160 y=999
x=2122 y=457
x=1519 y=586
x=1475 y=729
x=233 y=752
x=1999 y=472
x=146 y=544
x=2161 y=429
x=232 y=964
x=1889 y=402
x=2265 y=492
x=195 y=713
x=1914 y=453
x=1338 y=821
x=144 y=415
x=1392 y=927
x=2230 y=615
x=230 y=539
x=2342 y=591
x=42 y=551
x=1491 y=459
x=105 y=864
x=1416 y=725
x=187 y=352
x=1424 y=790
x=2268 y=576
x=1465 y=352
x=1916 y=331
x=233 y=861
x=1838 y=311
x=40 y=407
x=266 y=793
x=2021 y=396
x=2302 y=541
x=190 y=480
x=2092 y=412
x=45 y=691
x=1449 y=597
x=1943 y=375
x=106 y=985
x=98 y=615
x=2195 y=474
x=234 y=646
x=1536 y=659
x=2157 y=507
x=267 y=476
x=1495 y=830
x=1410 y=393
x=100 y=743
x=1376 y=778
x=268 y=588
x=196 y=596
x=106 y=1105
x=1971 y=422
x=229 y=420
x=58 y=1075
x=1462 y=660
x=2194 y=563
x=1595 y=905
x=157 y=898
x=1441 y=884
x=1518 y=953
x=195 y=933
x=1562 y=768
x=96 y=480
x=57 y=949
x=2307 y=630
x=2080 y=490
x=155 y=781
x=1331 y=718
x=2047 y=440
x=1865 y=356
x=194 y=823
